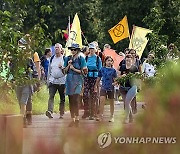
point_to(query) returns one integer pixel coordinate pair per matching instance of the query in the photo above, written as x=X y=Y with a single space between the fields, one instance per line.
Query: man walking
x=56 y=81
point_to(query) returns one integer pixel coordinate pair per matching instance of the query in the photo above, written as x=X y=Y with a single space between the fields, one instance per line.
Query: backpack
x=32 y=66
x=42 y=59
x=93 y=73
x=97 y=61
x=79 y=59
x=29 y=71
x=69 y=58
x=53 y=57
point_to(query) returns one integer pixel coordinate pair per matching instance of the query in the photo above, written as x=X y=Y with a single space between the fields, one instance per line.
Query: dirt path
x=47 y=132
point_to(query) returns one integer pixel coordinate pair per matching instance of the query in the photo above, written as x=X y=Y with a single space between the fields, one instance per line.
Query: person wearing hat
x=74 y=66
x=26 y=41
x=94 y=64
x=26 y=70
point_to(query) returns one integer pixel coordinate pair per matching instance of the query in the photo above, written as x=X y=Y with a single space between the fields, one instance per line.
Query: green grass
x=40 y=101
x=140 y=97
x=9 y=104
x=9 y=108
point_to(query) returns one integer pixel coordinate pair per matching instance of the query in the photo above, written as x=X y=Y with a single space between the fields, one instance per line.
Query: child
x=107 y=73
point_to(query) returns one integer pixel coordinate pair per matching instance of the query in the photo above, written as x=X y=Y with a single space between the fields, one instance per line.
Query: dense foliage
x=46 y=21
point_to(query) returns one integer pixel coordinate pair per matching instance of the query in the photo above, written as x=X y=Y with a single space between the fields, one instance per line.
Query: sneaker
x=99 y=119
x=29 y=118
x=76 y=123
x=117 y=103
x=144 y=106
x=72 y=123
x=61 y=117
x=91 y=118
x=24 y=122
x=49 y=115
x=126 y=121
x=134 y=111
x=111 y=119
x=131 y=119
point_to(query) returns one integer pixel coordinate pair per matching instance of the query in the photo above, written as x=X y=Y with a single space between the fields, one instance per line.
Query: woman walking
x=75 y=67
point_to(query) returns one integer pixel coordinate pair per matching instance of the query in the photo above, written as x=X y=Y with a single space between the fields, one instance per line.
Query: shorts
x=108 y=94
x=23 y=93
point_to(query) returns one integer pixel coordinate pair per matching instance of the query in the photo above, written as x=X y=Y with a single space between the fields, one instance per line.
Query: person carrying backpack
x=23 y=73
x=56 y=81
x=94 y=64
x=74 y=67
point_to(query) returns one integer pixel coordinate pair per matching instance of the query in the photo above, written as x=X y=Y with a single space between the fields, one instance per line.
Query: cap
x=92 y=46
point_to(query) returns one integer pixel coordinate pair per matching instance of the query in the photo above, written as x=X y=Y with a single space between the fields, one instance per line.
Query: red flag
x=117 y=59
x=66 y=32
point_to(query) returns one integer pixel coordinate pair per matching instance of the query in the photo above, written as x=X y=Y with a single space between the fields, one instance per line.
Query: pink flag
x=117 y=59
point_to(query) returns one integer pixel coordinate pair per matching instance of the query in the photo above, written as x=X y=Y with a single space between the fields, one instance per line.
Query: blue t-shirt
x=78 y=63
x=74 y=80
x=92 y=66
x=46 y=66
x=107 y=75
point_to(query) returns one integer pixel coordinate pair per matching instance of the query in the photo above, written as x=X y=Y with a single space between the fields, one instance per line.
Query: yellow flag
x=138 y=39
x=75 y=34
x=119 y=31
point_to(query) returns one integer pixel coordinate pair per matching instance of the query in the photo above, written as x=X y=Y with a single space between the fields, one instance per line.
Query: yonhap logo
x=104 y=140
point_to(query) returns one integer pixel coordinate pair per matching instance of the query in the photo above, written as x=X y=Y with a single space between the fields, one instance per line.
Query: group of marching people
x=88 y=76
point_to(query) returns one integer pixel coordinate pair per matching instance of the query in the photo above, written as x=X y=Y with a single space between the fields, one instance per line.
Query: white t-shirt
x=149 y=70
x=56 y=75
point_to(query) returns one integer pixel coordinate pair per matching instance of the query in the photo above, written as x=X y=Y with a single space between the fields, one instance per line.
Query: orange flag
x=117 y=59
x=119 y=31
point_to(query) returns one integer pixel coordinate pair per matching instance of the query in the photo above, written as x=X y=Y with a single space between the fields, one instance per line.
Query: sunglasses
x=73 y=49
x=109 y=60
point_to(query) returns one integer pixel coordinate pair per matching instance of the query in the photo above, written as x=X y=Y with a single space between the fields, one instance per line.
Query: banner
x=117 y=59
x=119 y=31
x=75 y=34
x=138 y=39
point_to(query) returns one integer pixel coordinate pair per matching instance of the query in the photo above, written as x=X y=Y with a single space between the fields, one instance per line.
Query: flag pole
x=132 y=34
x=84 y=38
x=128 y=29
x=69 y=26
x=66 y=46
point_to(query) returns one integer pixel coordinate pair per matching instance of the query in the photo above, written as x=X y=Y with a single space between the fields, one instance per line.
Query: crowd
x=87 y=77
